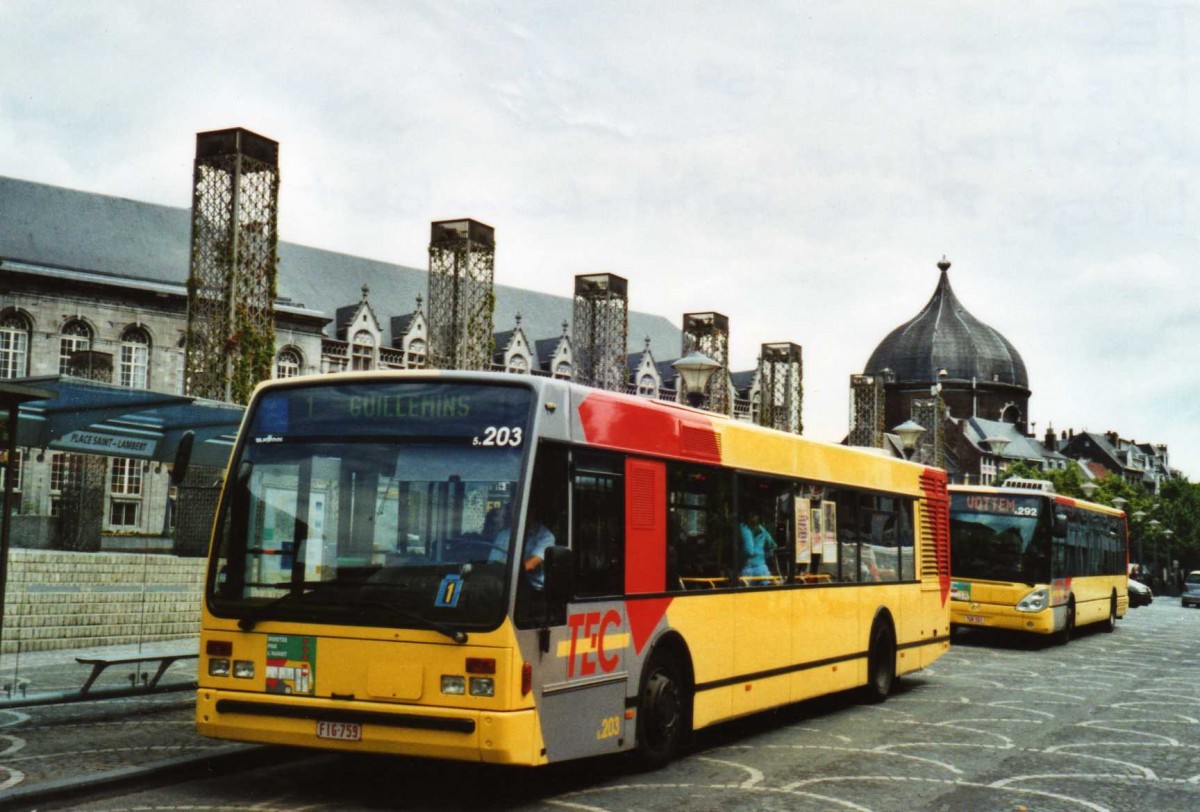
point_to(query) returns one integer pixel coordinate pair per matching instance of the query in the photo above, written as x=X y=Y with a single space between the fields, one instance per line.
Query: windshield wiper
x=457 y=635
x=295 y=592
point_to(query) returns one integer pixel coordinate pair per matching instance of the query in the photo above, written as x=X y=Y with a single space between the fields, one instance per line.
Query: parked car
x=1191 y=589
x=1141 y=595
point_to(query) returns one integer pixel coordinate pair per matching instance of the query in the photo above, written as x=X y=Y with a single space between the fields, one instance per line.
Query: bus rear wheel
x=664 y=716
x=881 y=663
x=1110 y=625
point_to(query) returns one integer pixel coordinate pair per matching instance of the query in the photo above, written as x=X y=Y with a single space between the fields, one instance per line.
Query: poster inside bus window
x=803 y=531
x=829 y=532
x=817 y=534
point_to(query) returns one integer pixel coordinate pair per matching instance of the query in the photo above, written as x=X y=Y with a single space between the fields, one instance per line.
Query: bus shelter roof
x=90 y=417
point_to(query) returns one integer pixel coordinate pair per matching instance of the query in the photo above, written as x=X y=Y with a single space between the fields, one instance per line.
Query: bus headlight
x=483 y=686
x=454 y=684
x=1035 y=601
x=218 y=667
x=243 y=669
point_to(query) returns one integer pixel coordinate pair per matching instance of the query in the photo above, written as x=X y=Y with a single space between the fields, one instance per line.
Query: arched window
x=417 y=350
x=362 y=351
x=647 y=386
x=135 y=358
x=288 y=364
x=563 y=370
x=1011 y=414
x=518 y=363
x=14 y=345
x=76 y=336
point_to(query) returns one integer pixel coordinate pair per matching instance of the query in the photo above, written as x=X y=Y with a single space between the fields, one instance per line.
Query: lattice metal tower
x=867 y=412
x=601 y=330
x=708 y=333
x=462 y=264
x=231 y=284
x=781 y=382
x=928 y=413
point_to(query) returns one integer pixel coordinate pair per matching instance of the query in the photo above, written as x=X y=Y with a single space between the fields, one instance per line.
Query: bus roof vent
x=1016 y=483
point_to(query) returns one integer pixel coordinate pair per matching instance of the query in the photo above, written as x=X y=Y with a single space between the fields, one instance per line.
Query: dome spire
x=945 y=336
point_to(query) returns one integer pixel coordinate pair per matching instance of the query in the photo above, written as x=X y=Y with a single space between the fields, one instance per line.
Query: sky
x=799 y=167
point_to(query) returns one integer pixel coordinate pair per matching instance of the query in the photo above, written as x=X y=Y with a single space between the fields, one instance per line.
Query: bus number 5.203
x=500 y=436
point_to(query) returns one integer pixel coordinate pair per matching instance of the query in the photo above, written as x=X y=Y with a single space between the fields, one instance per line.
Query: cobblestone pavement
x=1109 y=722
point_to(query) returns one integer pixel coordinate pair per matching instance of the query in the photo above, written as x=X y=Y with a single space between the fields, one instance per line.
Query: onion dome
x=945 y=342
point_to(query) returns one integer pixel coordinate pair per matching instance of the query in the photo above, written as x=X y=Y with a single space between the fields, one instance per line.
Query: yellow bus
x=1027 y=559
x=677 y=569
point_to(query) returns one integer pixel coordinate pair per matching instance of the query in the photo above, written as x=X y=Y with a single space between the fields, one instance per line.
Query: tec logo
x=596 y=640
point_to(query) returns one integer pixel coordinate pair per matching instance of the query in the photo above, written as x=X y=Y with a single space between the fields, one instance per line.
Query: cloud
x=798 y=168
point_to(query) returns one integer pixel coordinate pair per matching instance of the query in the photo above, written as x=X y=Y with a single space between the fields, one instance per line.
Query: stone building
x=84 y=271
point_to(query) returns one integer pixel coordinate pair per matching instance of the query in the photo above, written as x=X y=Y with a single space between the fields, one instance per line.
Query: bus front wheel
x=664 y=717
x=1068 y=629
x=881 y=663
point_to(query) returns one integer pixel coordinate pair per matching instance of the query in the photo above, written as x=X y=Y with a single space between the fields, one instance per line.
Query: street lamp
x=1152 y=527
x=1137 y=517
x=695 y=369
x=910 y=431
x=1119 y=503
x=1170 y=585
x=997 y=445
x=1089 y=489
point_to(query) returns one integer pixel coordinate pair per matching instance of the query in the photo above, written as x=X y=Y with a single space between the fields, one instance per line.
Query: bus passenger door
x=584 y=674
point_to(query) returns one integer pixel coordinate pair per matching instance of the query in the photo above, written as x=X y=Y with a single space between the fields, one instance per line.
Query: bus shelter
x=91 y=417
x=81 y=416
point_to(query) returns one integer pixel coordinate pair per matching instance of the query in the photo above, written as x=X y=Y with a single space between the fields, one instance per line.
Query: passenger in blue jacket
x=757 y=546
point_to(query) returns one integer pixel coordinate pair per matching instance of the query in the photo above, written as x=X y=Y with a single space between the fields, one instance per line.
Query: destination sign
x=995 y=504
x=482 y=414
x=411 y=407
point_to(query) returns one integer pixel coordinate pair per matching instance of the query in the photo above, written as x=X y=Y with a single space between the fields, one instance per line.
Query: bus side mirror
x=183 y=455
x=560 y=574
x=1060 y=525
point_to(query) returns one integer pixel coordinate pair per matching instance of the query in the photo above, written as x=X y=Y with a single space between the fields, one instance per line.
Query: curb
x=228 y=759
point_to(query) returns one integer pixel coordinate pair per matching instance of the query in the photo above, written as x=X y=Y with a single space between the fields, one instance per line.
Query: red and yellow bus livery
x=522 y=570
x=1030 y=560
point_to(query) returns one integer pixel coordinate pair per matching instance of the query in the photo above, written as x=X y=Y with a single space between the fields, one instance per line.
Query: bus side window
x=904 y=525
x=699 y=528
x=882 y=544
x=547 y=506
x=598 y=523
x=848 y=536
x=764 y=530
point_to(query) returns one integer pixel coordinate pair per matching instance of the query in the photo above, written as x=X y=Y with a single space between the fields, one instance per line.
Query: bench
x=100 y=664
x=19 y=684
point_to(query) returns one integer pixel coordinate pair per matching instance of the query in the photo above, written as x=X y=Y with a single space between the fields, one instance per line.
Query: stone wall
x=60 y=600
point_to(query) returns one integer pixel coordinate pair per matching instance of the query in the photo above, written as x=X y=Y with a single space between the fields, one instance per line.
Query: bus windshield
x=374 y=504
x=999 y=538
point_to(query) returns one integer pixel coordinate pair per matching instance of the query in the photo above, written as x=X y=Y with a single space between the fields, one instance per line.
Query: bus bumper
x=508 y=737
x=996 y=616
